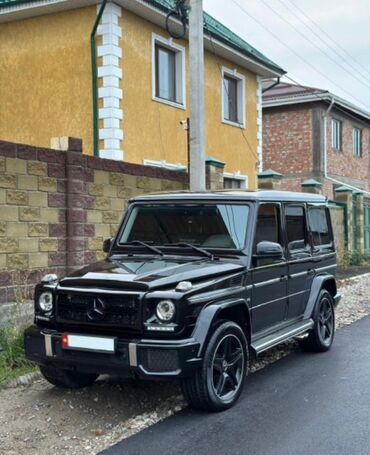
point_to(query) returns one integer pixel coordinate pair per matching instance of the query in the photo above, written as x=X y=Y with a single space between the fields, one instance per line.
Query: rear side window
x=319 y=226
x=295 y=227
x=268 y=224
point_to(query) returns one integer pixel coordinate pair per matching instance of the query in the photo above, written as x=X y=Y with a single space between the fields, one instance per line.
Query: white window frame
x=357 y=142
x=241 y=88
x=238 y=176
x=336 y=134
x=164 y=165
x=179 y=70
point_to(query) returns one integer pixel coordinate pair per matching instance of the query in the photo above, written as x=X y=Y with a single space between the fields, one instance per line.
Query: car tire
x=321 y=336
x=217 y=385
x=67 y=379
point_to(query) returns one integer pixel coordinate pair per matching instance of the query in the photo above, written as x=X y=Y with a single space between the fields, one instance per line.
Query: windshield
x=208 y=225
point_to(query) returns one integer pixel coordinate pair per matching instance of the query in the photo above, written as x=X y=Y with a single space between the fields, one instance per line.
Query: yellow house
x=110 y=73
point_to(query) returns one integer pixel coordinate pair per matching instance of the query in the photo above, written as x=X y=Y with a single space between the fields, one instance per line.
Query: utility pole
x=197 y=141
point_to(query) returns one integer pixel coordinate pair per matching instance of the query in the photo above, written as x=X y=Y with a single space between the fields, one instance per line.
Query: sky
x=320 y=43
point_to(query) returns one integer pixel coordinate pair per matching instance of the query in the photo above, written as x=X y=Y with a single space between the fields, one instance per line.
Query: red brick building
x=310 y=134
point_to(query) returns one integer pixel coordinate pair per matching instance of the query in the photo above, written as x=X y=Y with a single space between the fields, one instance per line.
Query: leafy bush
x=354 y=258
x=12 y=357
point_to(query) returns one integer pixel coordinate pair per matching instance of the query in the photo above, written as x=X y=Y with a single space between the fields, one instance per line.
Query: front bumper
x=147 y=359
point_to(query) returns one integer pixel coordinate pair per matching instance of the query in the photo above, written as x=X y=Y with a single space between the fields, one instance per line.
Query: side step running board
x=270 y=341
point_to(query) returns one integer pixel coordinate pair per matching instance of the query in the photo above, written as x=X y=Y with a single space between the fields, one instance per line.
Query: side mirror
x=106 y=245
x=269 y=250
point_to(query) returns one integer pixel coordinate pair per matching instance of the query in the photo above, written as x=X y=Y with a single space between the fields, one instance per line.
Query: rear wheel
x=218 y=384
x=66 y=378
x=321 y=336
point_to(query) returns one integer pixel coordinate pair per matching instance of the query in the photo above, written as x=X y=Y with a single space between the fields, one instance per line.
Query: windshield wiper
x=146 y=245
x=195 y=248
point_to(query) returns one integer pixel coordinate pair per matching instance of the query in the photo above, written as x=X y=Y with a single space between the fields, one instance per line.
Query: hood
x=147 y=273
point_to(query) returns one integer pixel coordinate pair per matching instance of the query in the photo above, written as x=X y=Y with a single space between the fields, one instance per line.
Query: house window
x=168 y=72
x=357 y=142
x=336 y=134
x=233 y=98
x=235 y=181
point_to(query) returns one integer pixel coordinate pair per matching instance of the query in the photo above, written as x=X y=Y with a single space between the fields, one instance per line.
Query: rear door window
x=296 y=229
x=319 y=225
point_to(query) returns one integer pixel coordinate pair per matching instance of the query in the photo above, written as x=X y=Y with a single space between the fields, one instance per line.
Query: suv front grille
x=122 y=310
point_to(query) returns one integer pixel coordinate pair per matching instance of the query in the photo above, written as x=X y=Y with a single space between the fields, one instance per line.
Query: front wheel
x=321 y=336
x=217 y=385
x=67 y=379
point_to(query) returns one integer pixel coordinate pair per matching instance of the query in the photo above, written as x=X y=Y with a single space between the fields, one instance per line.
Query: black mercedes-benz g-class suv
x=193 y=284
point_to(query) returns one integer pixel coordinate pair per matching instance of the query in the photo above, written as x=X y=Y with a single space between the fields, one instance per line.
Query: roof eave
x=25 y=11
x=286 y=101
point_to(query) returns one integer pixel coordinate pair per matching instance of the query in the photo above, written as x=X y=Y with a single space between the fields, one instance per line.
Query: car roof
x=233 y=195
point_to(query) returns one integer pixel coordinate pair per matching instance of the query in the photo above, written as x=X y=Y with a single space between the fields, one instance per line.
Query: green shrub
x=354 y=258
x=12 y=357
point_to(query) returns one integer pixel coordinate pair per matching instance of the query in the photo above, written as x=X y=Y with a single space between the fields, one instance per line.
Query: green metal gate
x=367 y=224
x=354 y=222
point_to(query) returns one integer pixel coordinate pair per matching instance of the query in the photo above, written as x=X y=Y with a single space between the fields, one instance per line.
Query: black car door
x=269 y=294
x=300 y=262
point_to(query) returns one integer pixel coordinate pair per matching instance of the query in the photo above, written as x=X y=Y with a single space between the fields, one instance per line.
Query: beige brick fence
x=57 y=206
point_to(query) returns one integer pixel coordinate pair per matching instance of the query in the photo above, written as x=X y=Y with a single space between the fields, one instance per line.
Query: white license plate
x=86 y=343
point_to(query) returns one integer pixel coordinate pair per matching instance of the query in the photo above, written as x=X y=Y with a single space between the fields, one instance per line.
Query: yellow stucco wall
x=45 y=91
x=152 y=129
x=45 y=78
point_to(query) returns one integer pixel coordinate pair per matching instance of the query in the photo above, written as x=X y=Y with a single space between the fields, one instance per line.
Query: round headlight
x=165 y=310
x=45 y=301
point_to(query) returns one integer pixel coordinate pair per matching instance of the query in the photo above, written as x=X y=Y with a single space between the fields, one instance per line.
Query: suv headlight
x=165 y=310
x=45 y=301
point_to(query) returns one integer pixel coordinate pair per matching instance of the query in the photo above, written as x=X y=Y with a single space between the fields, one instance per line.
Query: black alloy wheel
x=217 y=385
x=326 y=321
x=321 y=336
x=227 y=367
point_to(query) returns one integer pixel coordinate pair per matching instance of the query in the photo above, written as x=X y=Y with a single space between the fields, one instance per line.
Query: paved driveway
x=304 y=404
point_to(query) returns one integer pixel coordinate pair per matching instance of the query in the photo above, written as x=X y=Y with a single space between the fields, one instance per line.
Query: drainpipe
x=326 y=153
x=277 y=82
x=94 y=75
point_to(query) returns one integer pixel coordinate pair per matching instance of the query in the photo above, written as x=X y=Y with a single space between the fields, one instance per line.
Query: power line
x=294 y=52
x=313 y=31
x=330 y=38
x=314 y=44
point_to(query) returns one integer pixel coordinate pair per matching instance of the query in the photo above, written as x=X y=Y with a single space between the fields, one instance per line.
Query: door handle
x=284 y=278
x=310 y=271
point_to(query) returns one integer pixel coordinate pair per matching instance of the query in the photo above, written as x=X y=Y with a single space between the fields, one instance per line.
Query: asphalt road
x=303 y=404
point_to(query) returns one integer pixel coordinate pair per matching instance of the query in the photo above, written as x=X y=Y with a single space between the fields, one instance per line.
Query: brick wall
x=56 y=207
x=355 y=170
x=287 y=140
x=294 y=141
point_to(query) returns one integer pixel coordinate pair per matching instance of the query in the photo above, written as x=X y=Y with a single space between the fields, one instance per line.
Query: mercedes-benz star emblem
x=97 y=310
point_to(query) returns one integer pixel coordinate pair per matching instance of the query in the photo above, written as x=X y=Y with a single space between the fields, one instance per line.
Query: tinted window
x=295 y=227
x=319 y=226
x=210 y=226
x=268 y=226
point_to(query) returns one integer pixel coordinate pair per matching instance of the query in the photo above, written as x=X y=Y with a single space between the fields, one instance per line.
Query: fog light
x=165 y=310
x=45 y=301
